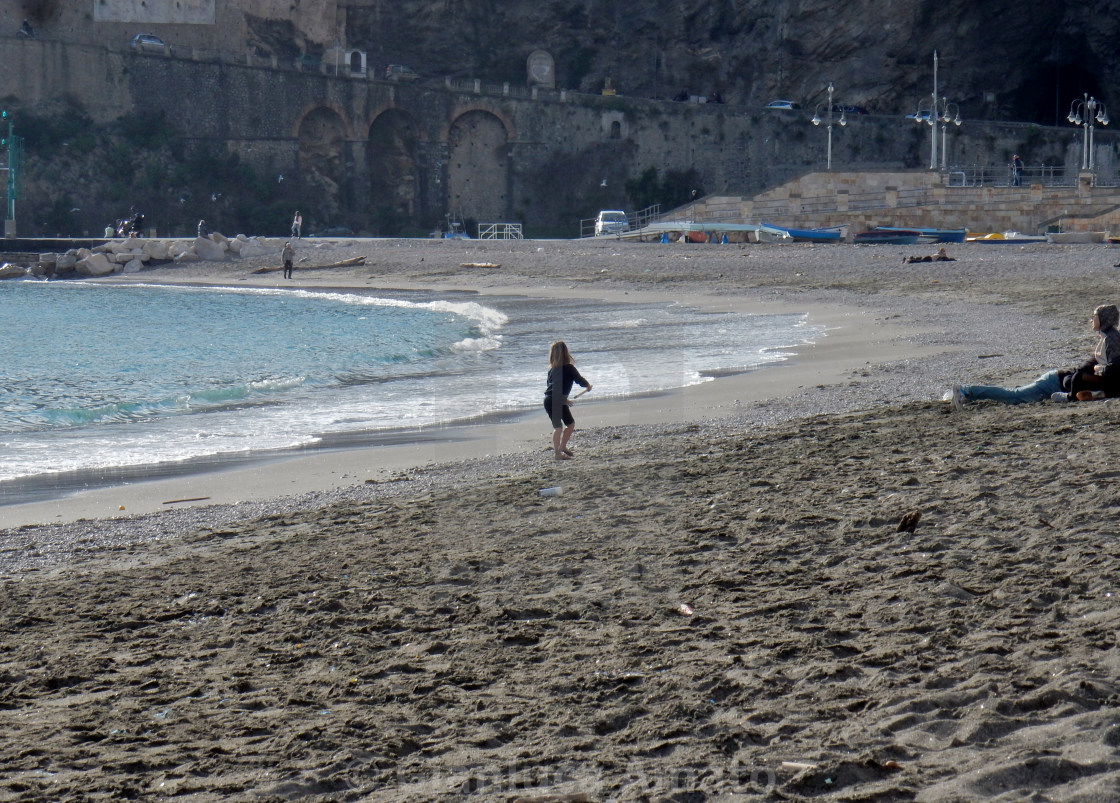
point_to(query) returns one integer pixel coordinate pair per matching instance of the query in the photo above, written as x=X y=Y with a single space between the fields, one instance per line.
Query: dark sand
x=722 y=608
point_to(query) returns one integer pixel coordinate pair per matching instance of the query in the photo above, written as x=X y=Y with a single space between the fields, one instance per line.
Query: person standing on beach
x=297 y=225
x=562 y=374
x=288 y=255
x=1097 y=378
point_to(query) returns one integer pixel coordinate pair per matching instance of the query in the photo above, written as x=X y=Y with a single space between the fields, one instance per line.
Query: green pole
x=13 y=157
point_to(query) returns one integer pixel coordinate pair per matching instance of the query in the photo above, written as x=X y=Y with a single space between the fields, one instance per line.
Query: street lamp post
x=947 y=113
x=940 y=111
x=817 y=121
x=1086 y=113
x=931 y=120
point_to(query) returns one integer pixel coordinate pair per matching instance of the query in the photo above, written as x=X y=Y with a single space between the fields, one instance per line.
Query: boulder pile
x=132 y=254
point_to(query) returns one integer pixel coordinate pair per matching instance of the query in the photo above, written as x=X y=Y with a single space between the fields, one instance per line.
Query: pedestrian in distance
x=1017 y=170
x=297 y=225
x=202 y=231
x=288 y=255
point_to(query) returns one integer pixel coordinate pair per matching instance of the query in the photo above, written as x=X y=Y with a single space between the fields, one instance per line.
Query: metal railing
x=1004 y=176
x=634 y=220
x=499 y=231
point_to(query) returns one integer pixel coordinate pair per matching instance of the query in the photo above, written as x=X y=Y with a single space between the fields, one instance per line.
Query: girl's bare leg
x=558 y=443
x=564 y=439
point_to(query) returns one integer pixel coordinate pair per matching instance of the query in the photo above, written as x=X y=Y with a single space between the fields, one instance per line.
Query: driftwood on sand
x=346 y=263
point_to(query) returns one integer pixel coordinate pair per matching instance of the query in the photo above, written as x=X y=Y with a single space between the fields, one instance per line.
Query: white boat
x=707 y=231
x=1070 y=237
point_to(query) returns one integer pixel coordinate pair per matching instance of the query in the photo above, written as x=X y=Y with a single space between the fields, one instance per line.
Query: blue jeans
x=1039 y=390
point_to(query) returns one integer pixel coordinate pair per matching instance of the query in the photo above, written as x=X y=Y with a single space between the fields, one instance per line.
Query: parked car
x=148 y=43
x=850 y=109
x=920 y=114
x=398 y=72
x=334 y=231
x=611 y=221
x=788 y=105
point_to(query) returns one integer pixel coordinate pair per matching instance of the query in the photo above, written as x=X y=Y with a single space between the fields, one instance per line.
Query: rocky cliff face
x=1026 y=60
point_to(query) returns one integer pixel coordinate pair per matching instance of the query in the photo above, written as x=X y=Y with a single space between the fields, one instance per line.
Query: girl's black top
x=564 y=377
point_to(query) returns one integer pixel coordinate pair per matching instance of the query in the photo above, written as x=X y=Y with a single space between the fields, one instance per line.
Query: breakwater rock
x=133 y=254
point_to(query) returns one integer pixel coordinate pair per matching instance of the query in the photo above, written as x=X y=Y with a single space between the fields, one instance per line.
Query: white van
x=611 y=221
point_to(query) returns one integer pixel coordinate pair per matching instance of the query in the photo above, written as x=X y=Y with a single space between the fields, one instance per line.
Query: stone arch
x=322 y=159
x=393 y=164
x=478 y=166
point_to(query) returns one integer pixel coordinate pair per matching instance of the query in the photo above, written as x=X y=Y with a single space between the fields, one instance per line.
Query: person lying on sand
x=1097 y=378
x=940 y=256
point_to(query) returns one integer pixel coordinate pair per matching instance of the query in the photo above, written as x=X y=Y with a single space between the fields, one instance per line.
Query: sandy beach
x=724 y=602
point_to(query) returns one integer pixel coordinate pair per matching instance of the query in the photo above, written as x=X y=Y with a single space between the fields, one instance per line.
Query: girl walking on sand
x=562 y=374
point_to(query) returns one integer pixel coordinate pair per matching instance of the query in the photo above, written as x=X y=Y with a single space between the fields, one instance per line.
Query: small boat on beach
x=935 y=235
x=823 y=235
x=1076 y=237
x=1005 y=238
x=887 y=237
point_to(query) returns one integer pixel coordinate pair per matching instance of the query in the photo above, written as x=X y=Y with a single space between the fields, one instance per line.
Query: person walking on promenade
x=297 y=225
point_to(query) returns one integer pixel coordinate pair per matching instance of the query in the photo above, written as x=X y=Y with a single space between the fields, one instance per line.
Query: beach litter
x=556 y=490
x=909 y=522
x=189 y=499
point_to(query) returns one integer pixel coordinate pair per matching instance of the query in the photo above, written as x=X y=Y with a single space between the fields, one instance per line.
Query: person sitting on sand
x=562 y=374
x=940 y=256
x=1099 y=377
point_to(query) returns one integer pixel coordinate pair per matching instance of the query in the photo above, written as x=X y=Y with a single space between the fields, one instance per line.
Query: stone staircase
x=863 y=200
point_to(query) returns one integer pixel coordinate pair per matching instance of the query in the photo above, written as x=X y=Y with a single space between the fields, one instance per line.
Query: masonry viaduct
x=432 y=147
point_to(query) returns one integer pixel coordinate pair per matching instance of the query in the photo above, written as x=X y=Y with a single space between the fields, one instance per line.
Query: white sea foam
x=259 y=369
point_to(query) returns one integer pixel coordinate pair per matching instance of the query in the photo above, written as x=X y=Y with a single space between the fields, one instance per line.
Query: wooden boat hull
x=809 y=235
x=934 y=235
x=881 y=237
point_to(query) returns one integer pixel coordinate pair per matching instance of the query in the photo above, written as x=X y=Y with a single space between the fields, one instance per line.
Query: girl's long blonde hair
x=559 y=356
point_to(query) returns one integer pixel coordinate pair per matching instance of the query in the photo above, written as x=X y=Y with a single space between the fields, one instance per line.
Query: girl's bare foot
x=561 y=456
x=568 y=452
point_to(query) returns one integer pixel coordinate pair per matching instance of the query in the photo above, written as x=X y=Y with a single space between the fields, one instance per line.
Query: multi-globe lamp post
x=1086 y=113
x=946 y=113
x=817 y=121
x=940 y=111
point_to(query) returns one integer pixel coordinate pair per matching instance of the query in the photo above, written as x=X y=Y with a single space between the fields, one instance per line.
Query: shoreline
x=372 y=456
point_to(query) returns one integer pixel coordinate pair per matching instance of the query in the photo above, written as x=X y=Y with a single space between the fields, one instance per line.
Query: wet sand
x=725 y=598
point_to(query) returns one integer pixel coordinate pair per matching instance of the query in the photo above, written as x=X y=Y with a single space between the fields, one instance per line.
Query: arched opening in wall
x=321 y=161
x=477 y=167
x=616 y=129
x=394 y=177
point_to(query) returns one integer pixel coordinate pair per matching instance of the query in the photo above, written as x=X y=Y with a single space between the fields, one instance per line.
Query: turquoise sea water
x=99 y=377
